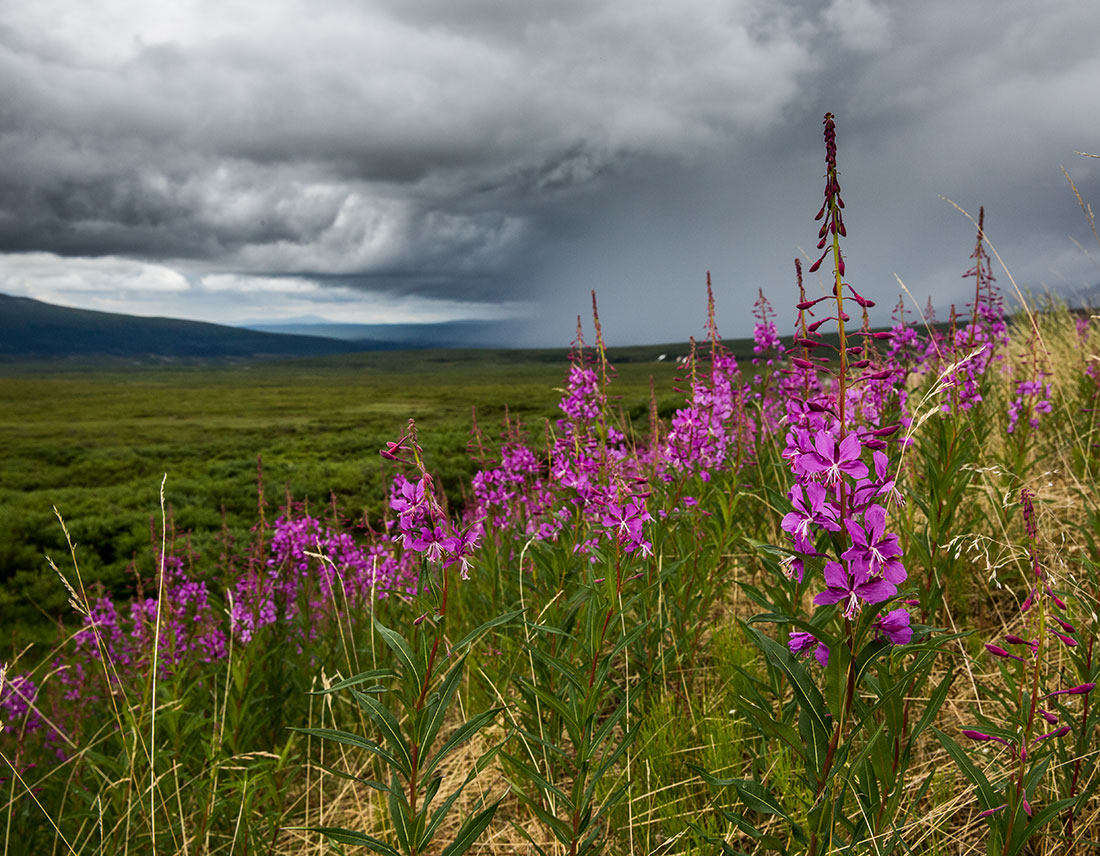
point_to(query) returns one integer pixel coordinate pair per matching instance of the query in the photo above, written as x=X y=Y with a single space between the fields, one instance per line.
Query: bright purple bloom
x=801 y=643
x=811 y=509
x=833 y=461
x=431 y=542
x=843 y=587
x=873 y=553
x=894 y=625
x=460 y=548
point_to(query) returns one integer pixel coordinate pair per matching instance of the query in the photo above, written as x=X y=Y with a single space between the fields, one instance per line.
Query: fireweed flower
x=830 y=429
x=873 y=552
x=832 y=460
x=894 y=625
x=844 y=588
x=1028 y=748
x=810 y=510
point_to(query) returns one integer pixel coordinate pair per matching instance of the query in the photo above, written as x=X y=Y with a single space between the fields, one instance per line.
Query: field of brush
x=94 y=442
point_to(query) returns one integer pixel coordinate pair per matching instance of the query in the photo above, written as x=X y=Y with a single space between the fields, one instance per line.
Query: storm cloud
x=480 y=159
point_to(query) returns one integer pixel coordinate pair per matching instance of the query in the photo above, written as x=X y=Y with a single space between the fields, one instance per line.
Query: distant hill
x=449 y=334
x=31 y=329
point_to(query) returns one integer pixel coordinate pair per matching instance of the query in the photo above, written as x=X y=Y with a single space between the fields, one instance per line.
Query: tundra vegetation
x=837 y=594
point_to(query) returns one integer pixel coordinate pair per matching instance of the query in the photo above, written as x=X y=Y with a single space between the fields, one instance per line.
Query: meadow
x=832 y=592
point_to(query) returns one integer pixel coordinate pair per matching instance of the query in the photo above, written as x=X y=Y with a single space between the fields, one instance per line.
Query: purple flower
x=998 y=651
x=814 y=512
x=1058 y=732
x=894 y=625
x=833 y=461
x=460 y=548
x=431 y=542
x=843 y=587
x=1082 y=689
x=801 y=643
x=873 y=553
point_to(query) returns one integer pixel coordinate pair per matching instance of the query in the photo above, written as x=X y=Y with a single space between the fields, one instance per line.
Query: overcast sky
x=425 y=160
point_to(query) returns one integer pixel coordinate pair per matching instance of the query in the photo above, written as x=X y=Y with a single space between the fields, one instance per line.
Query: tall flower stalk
x=853 y=732
x=1038 y=712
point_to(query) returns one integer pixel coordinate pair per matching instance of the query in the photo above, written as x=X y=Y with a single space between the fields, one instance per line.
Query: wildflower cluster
x=835 y=493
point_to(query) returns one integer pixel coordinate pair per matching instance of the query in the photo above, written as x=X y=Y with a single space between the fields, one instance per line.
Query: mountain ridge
x=33 y=329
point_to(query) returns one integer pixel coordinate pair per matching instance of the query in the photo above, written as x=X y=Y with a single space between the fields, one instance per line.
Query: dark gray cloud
x=470 y=154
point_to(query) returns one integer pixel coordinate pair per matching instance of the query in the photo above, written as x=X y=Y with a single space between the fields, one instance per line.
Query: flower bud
x=981 y=736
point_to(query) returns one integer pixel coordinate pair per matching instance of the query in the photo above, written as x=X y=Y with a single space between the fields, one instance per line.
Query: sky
x=378 y=161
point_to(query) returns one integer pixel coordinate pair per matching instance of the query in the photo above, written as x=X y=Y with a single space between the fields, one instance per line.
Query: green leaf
x=471 y=829
x=370 y=783
x=431 y=791
x=821 y=634
x=836 y=676
x=401 y=650
x=391 y=730
x=540 y=781
x=350 y=836
x=935 y=702
x=986 y=794
x=554 y=703
x=758 y=798
x=399 y=815
x=461 y=734
x=559 y=827
x=361 y=678
x=727 y=848
x=349 y=739
x=1039 y=819
x=438 y=708
x=607 y=763
x=808 y=695
x=527 y=835
x=488 y=625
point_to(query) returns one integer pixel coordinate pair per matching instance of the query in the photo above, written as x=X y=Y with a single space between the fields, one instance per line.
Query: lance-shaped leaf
x=473 y=635
x=349 y=739
x=356 y=680
x=350 y=836
x=402 y=651
x=470 y=830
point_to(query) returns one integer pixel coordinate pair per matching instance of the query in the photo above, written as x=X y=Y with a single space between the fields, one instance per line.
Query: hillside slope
x=31 y=329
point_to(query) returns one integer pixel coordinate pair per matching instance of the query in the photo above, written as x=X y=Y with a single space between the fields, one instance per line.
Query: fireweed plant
x=1037 y=713
x=574 y=708
x=852 y=728
x=408 y=705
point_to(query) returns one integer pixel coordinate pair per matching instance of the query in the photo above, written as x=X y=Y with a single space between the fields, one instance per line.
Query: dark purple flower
x=1058 y=732
x=982 y=737
x=997 y=651
x=1081 y=689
